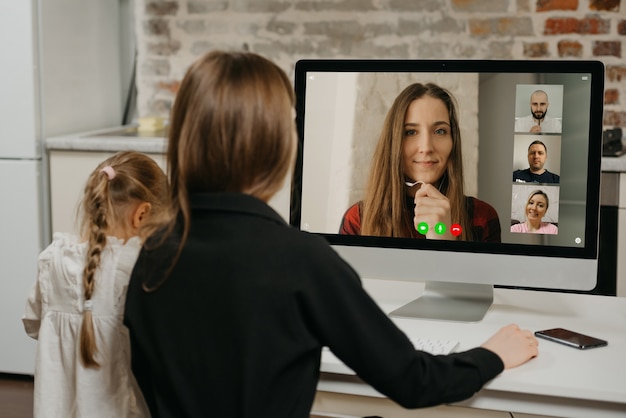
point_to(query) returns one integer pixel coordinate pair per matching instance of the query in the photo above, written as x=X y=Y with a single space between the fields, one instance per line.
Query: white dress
x=54 y=314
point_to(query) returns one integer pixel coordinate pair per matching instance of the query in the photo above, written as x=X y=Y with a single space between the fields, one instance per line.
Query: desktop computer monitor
x=525 y=142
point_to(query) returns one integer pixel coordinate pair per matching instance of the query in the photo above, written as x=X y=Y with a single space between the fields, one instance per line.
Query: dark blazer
x=237 y=328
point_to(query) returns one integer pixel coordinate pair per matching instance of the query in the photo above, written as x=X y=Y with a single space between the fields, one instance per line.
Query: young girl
x=75 y=309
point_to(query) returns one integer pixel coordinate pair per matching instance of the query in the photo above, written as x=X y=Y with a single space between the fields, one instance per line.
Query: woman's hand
x=513 y=345
x=432 y=207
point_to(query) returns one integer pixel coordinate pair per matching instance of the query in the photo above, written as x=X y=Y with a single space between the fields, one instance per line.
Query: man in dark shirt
x=535 y=173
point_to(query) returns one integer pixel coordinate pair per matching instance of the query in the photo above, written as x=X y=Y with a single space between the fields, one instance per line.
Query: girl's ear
x=140 y=213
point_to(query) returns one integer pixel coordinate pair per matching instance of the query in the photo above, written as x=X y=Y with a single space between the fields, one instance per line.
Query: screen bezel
x=595 y=68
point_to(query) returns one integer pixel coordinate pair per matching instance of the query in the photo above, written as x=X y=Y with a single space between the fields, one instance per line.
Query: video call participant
x=535 y=173
x=420 y=145
x=228 y=307
x=538 y=121
x=535 y=209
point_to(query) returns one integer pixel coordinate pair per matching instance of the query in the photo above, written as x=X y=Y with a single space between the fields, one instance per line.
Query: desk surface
x=562 y=381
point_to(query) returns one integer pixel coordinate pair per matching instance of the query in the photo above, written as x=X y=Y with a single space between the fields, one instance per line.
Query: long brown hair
x=232 y=129
x=385 y=212
x=112 y=191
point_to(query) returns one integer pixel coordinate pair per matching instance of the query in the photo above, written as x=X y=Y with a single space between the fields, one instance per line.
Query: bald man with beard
x=538 y=121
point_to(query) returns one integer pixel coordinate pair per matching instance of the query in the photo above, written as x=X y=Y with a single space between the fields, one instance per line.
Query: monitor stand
x=461 y=302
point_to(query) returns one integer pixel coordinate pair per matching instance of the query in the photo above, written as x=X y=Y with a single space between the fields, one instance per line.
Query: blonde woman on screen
x=535 y=209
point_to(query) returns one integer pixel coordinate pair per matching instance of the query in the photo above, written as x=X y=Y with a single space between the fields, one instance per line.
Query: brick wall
x=172 y=33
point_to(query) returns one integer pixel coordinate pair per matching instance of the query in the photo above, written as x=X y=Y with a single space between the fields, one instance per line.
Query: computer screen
x=462 y=174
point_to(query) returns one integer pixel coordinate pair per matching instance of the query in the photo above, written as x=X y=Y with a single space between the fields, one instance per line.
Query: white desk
x=561 y=381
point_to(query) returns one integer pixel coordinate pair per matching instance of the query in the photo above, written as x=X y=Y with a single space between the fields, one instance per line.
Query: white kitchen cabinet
x=68 y=174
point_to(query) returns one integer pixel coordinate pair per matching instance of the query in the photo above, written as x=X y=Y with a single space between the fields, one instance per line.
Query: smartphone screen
x=571 y=338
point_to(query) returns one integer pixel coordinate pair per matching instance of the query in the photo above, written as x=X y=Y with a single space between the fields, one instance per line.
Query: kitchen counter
x=111 y=140
x=128 y=138
x=614 y=164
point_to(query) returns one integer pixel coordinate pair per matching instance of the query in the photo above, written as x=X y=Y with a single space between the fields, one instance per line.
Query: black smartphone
x=571 y=338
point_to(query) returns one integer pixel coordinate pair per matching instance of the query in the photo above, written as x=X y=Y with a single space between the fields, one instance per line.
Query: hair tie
x=110 y=172
x=88 y=305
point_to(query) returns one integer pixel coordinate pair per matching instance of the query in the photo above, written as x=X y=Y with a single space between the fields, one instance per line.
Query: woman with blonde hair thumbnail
x=535 y=209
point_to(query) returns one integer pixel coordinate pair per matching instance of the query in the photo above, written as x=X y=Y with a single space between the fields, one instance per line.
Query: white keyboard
x=331 y=364
x=435 y=346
